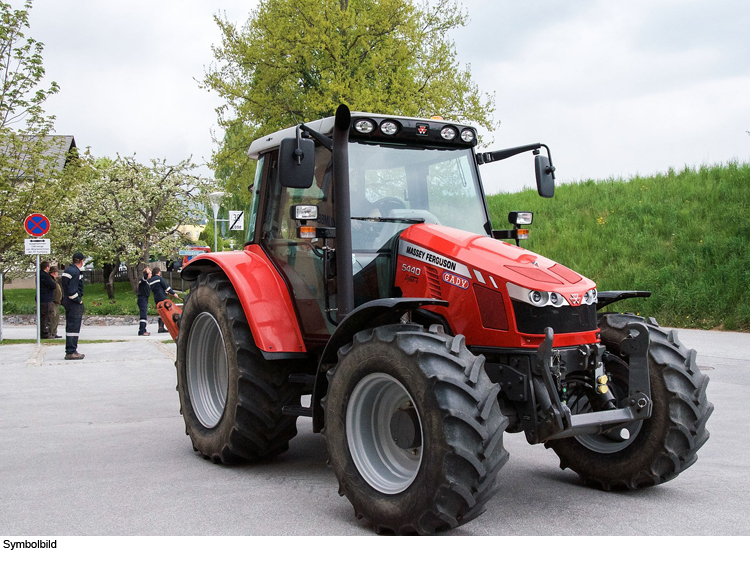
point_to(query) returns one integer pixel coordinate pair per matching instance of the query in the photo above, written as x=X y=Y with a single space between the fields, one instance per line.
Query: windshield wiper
x=392 y=219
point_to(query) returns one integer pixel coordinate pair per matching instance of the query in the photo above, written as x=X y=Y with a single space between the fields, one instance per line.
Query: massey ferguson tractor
x=373 y=282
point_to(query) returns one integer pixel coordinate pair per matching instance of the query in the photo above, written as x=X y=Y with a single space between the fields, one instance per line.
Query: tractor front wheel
x=654 y=450
x=414 y=429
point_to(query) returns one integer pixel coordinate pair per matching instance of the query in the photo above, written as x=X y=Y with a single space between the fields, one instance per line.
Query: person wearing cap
x=72 y=285
x=144 y=291
x=160 y=289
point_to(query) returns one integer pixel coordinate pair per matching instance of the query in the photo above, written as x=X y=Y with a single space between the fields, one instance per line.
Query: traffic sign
x=236 y=221
x=191 y=253
x=36 y=225
x=37 y=246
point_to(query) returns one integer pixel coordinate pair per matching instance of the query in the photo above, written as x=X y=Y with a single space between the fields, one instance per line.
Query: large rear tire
x=414 y=429
x=654 y=450
x=230 y=396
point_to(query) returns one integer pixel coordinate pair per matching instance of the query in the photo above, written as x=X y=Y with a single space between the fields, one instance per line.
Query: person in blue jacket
x=72 y=285
x=160 y=289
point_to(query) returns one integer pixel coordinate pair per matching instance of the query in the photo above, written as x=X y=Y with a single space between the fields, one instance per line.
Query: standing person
x=46 y=304
x=144 y=291
x=160 y=289
x=72 y=285
x=54 y=320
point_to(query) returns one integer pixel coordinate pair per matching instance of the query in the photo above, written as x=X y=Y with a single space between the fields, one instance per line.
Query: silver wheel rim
x=384 y=465
x=207 y=370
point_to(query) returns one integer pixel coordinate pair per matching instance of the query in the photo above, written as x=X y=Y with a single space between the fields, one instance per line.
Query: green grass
x=95 y=300
x=683 y=235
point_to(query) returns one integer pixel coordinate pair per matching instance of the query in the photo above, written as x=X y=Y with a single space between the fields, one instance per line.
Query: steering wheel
x=387 y=204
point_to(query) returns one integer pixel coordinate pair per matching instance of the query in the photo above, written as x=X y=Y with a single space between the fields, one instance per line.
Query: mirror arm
x=298 y=154
x=322 y=139
x=550 y=169
x=506 y=153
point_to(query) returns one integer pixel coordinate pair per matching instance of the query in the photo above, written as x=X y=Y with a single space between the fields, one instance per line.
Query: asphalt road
x=97 y=447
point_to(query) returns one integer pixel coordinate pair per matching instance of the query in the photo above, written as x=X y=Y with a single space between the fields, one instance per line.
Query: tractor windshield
x=412 y=183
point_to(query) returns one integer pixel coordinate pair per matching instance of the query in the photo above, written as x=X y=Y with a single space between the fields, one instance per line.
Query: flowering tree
x=126 y=211
x=27 y=175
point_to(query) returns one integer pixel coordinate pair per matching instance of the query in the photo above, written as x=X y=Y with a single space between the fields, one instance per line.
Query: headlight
x=520 y=218
x=590 y=297
x=389 y=127
x=364 y=126
x=448 y=133
x=537 y=298
x=467 y=135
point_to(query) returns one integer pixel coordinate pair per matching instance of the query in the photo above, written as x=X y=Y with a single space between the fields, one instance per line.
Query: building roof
x=59 y=148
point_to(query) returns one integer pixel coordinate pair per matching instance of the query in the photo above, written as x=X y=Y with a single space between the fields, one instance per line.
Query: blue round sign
x=36 y=225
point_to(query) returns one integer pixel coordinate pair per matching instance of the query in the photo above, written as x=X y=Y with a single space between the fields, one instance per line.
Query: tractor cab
x=400 y=172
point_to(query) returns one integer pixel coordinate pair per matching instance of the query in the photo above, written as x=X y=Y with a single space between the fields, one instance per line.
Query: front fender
x=375 y=313
x=263 y=294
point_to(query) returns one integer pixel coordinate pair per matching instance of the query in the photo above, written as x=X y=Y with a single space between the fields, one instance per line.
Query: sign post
x=37 y=225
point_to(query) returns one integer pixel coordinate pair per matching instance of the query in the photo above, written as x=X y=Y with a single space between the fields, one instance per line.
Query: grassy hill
x=683 y=235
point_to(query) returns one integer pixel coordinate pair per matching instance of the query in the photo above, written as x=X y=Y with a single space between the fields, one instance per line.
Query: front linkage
x=538 y=386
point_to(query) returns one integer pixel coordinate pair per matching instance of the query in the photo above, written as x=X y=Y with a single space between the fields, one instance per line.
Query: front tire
x=414 y=429
x=230 y=396
x=657 y=449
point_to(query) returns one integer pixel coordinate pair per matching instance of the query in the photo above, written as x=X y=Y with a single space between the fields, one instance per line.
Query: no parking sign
x=36 y=225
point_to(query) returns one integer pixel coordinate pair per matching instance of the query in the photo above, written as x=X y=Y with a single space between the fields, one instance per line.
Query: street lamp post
x=215 y=199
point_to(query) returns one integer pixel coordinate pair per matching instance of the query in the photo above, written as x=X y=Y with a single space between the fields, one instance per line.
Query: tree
x=27 y=175
x=296 y=60
x=133 y=211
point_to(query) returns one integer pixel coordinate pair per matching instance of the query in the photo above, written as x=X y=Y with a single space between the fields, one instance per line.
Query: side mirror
x=296 y=163
x=545 y=176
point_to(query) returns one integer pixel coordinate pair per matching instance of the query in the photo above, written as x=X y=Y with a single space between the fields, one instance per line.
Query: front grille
x=533 y=320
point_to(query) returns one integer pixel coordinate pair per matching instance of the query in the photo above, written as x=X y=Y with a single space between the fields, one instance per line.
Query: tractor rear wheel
x=654 y=450
x=230 y=396
x=414 y=429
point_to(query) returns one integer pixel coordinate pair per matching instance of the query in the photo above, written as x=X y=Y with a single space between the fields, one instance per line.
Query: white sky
x=614 y=88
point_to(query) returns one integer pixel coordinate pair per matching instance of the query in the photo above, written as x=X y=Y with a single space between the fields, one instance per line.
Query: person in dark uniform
x=160 y=289
x=144 y=291
x=72 y=285
x=47 y=287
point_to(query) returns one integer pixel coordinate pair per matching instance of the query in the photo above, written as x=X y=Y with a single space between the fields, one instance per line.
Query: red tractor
x=373 y=282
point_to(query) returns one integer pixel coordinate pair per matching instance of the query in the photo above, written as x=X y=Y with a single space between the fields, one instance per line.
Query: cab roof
x=325 y=127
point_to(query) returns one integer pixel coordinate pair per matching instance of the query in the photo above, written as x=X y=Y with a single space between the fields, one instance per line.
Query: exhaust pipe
x=343 y=216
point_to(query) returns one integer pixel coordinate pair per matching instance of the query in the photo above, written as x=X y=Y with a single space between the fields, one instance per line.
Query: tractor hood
x=482 y=260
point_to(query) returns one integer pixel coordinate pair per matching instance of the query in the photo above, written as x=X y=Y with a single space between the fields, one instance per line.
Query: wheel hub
x=384 y=433
x=405 y=429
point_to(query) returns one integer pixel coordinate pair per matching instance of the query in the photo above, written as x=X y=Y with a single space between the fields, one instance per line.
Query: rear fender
x=263 y=294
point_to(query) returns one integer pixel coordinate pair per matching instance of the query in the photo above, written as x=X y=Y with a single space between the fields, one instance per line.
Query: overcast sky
x=614 y=88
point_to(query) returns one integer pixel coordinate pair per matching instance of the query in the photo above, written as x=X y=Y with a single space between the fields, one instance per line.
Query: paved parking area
x=97 y=447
